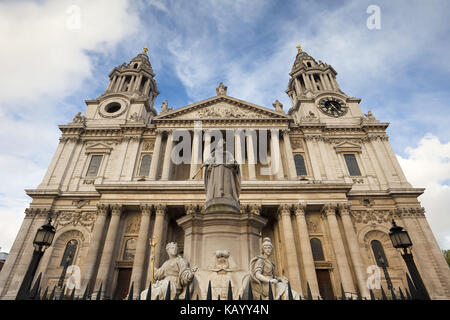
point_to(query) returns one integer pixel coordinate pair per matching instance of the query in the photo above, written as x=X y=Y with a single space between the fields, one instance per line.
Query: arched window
x=145 y=165
x=130 y=249
x=378 y=253
x=317 y=251
x=69 y=253
x=300 y=165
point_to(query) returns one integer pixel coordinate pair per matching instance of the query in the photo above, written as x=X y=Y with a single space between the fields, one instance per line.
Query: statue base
x=207 y=236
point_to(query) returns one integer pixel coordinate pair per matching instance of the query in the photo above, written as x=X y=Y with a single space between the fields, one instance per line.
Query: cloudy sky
x=56 y=54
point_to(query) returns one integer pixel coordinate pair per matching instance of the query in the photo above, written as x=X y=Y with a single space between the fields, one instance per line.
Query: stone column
x=313 y=83
x=284 y=212
x=195 y=157
x=251 y=158
x=239 y=151
x=306 y=81
x=138 y=274
x=305 y=247
x=14 y=253
x=355 y=254
x=329 y=209
x=292 y=172
x=328 y=79
x=106 y=260
x=275 y=154
x=88 y=272
x=167 y=160
x=137 y=84
x=131 y=84
x=160 y=212
x=155 y=155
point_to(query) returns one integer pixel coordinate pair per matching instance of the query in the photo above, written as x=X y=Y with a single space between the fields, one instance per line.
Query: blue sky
x=49 y=67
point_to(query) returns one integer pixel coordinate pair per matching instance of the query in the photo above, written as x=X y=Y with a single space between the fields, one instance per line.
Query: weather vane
x=145 y=49
x=299 y=48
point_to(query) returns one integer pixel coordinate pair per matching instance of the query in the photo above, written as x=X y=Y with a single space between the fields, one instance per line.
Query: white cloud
x=43 y=61
x=428 y=165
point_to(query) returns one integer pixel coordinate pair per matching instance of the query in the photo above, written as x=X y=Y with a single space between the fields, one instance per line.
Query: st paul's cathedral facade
x=320 y=185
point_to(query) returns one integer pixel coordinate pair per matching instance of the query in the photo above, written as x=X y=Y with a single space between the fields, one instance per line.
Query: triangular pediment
x=221 y=108
x=347 y=146
x=98 y=148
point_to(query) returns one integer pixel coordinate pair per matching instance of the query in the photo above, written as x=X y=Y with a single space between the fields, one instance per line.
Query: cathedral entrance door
x=324 y=281
x=123 y=283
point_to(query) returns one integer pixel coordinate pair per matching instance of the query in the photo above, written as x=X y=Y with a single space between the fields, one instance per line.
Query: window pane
x=378 y=252
x=69 y=253
x=352 y=165
x=145 y=165
x=130 y=249
x=317 y=251
x=94 y=165
x=300 y=165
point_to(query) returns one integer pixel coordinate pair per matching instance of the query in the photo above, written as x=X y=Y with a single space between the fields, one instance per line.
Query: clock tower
x=315 y=93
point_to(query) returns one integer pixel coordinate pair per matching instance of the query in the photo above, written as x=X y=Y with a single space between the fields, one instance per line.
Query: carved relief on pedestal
x=148 y=145
x=371 y=216
x=133 y=223
x=85 y=219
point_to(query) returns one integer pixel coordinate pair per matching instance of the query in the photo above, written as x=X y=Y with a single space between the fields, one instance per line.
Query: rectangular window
x=352 y=165
x=145 y=165
x=300 y=166
x=94 y=166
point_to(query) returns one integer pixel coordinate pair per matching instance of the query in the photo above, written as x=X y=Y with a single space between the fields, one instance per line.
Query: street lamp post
x=42 y=240
x=401 y=240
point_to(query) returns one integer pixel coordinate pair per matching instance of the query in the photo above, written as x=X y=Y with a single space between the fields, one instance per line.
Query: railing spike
x=290 y=295
x=44 y=296
x=32 y=294
x=149 y=292
x=308 y=290
x=209 y=292
x=342 y=293
x=412 y=288
x=358 y=293
x=402 y=296
x=270 y=291
x=372 y=296
x=130 y=294
x=383 y=294
x=250 y=291
x=72 y=295
x=61 y=297
x=168 y=292
x=86 y=292
x=99 y=293
x=230 y=291
x=187 y=295
x=52 y=294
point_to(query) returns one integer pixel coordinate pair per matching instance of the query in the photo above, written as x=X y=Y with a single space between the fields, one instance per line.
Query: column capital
x=146 y=209
x=191 y=208
x=244 y=208
x=344 y=208
x=284 y=209
x=299 y=209
x=286 y=131
x=116 y=209
x=329 y=209
x=160 y=209
x=159 y=131
x=102 y=209
x=255 y=208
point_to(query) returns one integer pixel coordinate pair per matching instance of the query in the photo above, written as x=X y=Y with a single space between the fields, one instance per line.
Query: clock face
x=333 y=107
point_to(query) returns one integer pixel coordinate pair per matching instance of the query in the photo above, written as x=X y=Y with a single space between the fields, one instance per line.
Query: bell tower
x=315 y=93
x=129 y=96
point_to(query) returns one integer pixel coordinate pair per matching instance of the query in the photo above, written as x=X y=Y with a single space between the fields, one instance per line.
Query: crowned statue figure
x=175 y=272
x=222 y=183
x=262 y=275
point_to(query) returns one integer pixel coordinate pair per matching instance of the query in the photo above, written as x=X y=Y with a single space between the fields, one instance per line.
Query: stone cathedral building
x=112 y=186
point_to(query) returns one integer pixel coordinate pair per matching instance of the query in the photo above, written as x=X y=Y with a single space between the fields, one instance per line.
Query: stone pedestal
x=207 y=233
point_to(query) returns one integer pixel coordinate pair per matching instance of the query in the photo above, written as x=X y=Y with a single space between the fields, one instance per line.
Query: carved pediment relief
x=347 y=147
x=98 y=148
x=222 y=108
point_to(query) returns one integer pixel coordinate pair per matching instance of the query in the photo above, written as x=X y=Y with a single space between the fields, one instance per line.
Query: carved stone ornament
x=278 y=106
x=80 y=203
x=221 y=110
x=78 y=118
x=369 y=118
x=136 y=118
x=86 y=218
x=133 y=224
x=148 y=145
x=297 y=143
x=371 y=216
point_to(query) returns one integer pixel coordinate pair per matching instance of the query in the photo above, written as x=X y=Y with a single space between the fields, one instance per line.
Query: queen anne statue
x=175 y=272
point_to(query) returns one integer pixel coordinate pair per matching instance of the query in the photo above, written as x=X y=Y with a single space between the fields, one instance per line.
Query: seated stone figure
x=175 y=271
x=262 y=274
